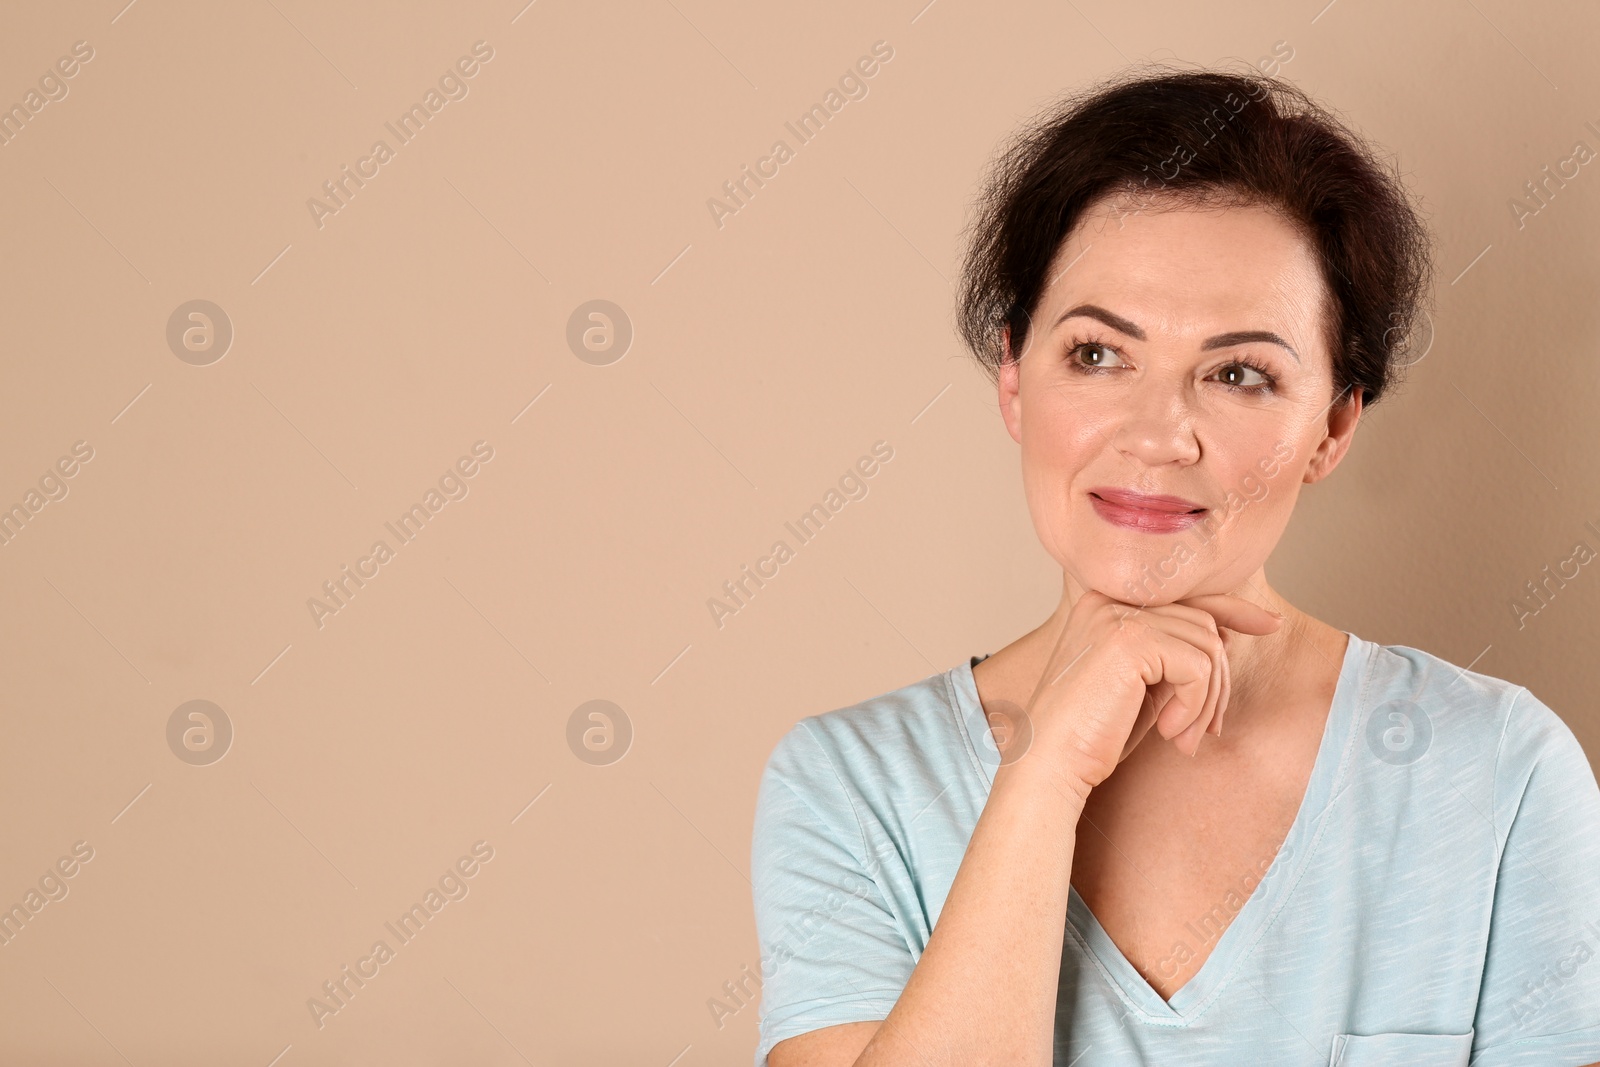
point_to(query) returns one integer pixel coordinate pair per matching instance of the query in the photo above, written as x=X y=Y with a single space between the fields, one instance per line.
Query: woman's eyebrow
x=1239 y=337
x=1116 y=322
x=1222 y=340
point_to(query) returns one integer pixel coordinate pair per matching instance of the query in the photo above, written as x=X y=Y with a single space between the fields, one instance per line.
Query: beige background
x=768 y=355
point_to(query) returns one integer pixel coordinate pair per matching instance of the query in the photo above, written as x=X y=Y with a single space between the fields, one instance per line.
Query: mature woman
x=1187 y=287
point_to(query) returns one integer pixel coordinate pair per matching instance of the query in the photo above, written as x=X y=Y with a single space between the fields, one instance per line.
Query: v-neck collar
x=1264 y=901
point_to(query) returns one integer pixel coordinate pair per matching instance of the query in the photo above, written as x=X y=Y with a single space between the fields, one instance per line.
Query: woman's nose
x=1157 y=426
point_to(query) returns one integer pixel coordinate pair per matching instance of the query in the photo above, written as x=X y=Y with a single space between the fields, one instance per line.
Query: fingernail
x=1275 y=614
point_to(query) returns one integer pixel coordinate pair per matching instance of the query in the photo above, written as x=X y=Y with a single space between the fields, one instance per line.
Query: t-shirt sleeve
x=831 y=949
x=1539 y=1003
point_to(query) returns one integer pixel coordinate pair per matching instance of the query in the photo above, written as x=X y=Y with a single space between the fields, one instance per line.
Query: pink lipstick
x=1148 y=512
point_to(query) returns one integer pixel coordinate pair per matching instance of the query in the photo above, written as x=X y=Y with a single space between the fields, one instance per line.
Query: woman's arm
x=984 y=989
x=1538 y=1000
x=1001 y=928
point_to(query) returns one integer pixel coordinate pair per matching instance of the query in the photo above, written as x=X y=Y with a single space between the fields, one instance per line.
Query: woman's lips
x=1151 y=513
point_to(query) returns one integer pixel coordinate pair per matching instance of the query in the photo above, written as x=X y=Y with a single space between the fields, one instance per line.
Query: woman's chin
x=1133 y=584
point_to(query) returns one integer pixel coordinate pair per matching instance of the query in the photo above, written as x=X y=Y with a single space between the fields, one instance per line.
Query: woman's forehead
x=1170 y=268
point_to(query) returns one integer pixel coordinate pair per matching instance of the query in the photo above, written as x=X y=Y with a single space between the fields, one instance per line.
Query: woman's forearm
x=984 y=990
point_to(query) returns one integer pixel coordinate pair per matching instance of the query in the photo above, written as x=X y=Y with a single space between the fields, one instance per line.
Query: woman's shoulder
x=891 y=745
x=1431 y=679
x=1494 y=724
x=1435 y=683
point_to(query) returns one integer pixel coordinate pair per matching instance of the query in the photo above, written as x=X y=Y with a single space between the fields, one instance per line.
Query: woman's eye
x=1242 y=376
x=1091 y=354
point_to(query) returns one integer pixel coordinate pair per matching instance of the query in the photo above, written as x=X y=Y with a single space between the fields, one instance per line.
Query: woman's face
x=1178 y=352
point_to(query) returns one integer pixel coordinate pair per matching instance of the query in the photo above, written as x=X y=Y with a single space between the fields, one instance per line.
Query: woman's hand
x=1117 y=669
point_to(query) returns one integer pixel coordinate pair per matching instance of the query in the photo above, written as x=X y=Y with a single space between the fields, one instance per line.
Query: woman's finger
x=1184 y=663
x=1236 y=613
x=1204 y=640
x=1154 y=699
x=1201 y=629
x=1226 y=671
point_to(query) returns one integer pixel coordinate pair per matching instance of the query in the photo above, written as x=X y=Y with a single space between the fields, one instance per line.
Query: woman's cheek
x=1049 y=506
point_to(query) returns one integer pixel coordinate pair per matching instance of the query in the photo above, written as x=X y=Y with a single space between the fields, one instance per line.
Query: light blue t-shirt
x=1436 y=901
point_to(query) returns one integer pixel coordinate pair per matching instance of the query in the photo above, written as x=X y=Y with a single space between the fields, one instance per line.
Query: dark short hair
x=1204 y=136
